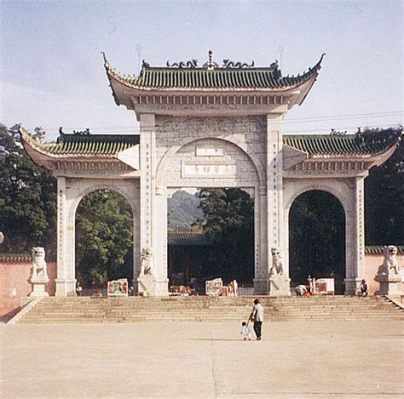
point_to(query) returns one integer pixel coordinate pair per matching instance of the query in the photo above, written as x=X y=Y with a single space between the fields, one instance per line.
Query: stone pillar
x=355 y=238
x=147 y=140
x=274 y=192
x=151 y=205
x=160 y=240
x=65 y=279
x=260 y=237
x=136 y=243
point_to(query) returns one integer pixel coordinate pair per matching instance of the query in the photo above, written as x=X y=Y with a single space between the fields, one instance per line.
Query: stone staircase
x=135 y=309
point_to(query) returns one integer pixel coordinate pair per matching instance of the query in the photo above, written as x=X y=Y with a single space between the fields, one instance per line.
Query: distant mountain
x=183 y=210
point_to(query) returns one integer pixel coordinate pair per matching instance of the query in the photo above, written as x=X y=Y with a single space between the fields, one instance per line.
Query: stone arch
x=315 y=187
x=336 y=259
x=170 y=153
x=249 y=173
x=79 y=190
x=75 y=189
x=100 y=186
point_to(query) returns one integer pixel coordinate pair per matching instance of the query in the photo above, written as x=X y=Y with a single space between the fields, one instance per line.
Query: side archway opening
x=104 y=240
x=317 y=238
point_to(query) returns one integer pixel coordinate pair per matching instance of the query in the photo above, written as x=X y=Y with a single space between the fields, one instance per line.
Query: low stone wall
x=15 y=271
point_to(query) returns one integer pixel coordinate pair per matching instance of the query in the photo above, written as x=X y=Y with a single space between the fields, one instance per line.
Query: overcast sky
x=52 y=74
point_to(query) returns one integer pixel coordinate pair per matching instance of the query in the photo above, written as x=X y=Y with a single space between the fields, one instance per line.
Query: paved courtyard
x=203 y=360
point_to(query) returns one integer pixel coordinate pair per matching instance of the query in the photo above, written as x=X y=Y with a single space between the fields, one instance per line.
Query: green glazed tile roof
x=341 y=145
x=88 y=145
x=378 y=249
x=8 y=257
x=188 y=239
x=315 y=145
x=216 y=78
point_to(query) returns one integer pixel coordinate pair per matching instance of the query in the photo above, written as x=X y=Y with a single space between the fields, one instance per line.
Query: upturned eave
x=124 y=88
x=302 y=152
x=38 y=153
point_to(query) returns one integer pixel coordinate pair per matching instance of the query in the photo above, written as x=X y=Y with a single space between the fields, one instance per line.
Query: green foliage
x=384 y=197
x=228 y=218
x=103 y=238
x=27 y=198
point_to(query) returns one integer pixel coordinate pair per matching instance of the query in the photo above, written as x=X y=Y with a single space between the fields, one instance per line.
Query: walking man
x=257 y=316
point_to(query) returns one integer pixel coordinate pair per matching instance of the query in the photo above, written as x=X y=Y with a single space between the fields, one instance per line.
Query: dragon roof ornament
x=182 y=64
x=210 y=64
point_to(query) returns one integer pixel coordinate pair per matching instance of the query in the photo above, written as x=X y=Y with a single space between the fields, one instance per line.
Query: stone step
x=132 y=309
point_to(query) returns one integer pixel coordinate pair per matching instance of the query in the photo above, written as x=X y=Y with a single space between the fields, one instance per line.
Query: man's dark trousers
x=257 y=328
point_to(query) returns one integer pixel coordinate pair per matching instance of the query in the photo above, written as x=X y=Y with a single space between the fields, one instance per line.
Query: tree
x=103 y=238
x=27 y=198
x=228 y=218
x=384 y=194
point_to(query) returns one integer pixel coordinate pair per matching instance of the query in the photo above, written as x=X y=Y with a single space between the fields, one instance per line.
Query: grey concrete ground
x=203 y=360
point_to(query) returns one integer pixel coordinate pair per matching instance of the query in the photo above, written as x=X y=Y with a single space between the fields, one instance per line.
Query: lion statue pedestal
x=388 y=275
x=39 y=276
x=146 y=285
x=278 y=283
x=146 y=282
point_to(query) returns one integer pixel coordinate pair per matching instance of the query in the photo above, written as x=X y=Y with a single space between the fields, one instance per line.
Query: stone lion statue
x=277 y=266
x=390 y=263
x=38 y=263
x=146 y=267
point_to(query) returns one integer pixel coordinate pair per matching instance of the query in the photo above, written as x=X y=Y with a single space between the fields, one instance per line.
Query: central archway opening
x=217 y=241
x=104 y=240
x=317 y=238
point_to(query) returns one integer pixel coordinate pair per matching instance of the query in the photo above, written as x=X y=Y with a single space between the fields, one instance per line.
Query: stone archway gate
x=210 y=126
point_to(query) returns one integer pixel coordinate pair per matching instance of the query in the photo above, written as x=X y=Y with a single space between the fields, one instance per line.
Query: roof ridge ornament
x=85 y=132
x=105 y=58
x=227 y=63
x=274 y=67
x=189 y=64
x=318 y=65
x=210 y=64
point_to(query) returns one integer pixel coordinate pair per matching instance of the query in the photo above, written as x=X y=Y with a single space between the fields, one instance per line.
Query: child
x=364 y=288
x=245 y=331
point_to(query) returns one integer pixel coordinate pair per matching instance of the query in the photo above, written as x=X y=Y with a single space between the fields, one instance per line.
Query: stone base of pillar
x=38 y=286
x=389 y=284
x=146 y=285
x=279 y=285
x=274 y=286
x=261 y=286
x=352 y=286
x=65 y=287
x=160 y=287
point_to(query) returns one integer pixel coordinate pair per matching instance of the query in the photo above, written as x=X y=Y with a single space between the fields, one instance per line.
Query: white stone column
x=274 y=184
x=260 y=237
x=274 y=189
x=160 y=240
x=65 y=279
x=147 y=132
x=153 y=208
x=355 y=238
x=136 y=242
